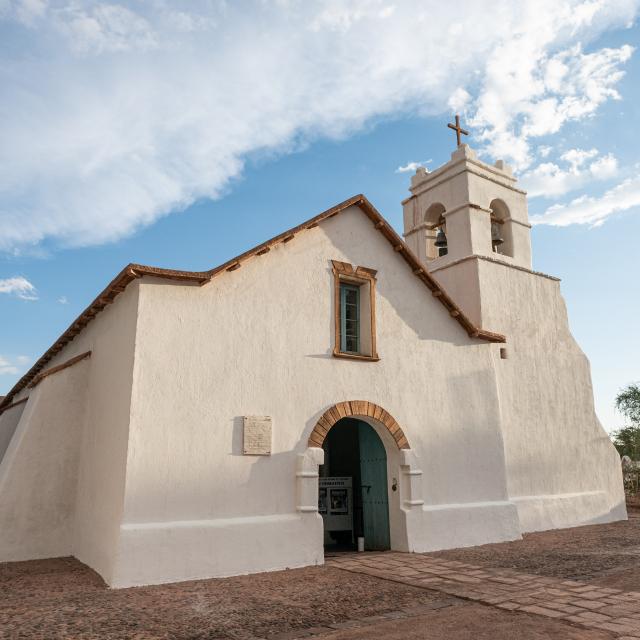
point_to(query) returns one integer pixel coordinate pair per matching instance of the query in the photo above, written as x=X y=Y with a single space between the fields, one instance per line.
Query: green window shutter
x=349 y=318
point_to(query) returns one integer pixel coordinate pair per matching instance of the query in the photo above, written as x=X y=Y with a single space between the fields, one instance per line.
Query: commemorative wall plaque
x=257 y=436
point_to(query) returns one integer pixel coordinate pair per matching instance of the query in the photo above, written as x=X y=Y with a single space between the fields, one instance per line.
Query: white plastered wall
x=562 y=468
x=258 y=341
x=8 y=422
x=100 y=498
x=38 y=473
x=63 y=472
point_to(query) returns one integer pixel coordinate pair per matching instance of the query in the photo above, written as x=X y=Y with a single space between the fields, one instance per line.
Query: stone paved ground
x=63 y=599
x=589 y=606
x=551 y=585
x=604 y=554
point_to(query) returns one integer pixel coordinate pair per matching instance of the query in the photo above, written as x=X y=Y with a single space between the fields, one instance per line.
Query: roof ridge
x=133 y=271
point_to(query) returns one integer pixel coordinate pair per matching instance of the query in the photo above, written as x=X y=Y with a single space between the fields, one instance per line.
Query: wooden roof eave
x=419 y=270
x=102 y=300
x=134 y=271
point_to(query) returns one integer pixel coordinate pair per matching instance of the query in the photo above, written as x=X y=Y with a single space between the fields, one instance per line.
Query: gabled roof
x=133 y=271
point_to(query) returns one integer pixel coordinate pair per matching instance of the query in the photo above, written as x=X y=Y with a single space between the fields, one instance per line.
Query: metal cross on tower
x=458 y=129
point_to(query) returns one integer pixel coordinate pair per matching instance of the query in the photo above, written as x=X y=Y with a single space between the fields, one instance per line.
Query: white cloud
x=593 y=211
x=459 y=100
x=184 y=21
x=117 y=113
x=549 y=179
x=6 y=367
x=577 y=157
x=63 y=300
x=24 y=11
x=20 y=287
x=105 y=28
x=13 y=366
x=341 y=15
x=412 y=166
x=604 y=167
x=529 y=92
x=387 y=11
x=544 y=151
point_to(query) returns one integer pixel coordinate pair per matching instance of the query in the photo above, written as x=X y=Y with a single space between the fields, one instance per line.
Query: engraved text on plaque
x=257 y=436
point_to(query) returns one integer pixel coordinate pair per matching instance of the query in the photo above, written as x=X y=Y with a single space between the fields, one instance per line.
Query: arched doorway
x=353 y=487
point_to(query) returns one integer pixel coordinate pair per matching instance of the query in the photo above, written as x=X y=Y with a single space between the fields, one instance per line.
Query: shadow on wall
x=400 y=288
x=234 y=485
x=274 y=470
x=425 y=327
x=9 y=420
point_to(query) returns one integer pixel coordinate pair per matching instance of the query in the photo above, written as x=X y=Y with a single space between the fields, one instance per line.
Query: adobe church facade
x=184 y=424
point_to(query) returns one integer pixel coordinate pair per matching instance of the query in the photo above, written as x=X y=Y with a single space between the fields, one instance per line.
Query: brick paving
x=576 y=602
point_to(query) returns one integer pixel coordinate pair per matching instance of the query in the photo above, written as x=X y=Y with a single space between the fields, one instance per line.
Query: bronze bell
x=441 y=238
x=496 y=236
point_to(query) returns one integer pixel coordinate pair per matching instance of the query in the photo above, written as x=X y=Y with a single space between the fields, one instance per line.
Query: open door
x=375 y=497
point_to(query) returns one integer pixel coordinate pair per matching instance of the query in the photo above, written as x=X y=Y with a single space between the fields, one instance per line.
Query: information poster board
x=335 y=503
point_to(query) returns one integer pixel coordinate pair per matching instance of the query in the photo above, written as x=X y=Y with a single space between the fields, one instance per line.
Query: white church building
x=334 y=383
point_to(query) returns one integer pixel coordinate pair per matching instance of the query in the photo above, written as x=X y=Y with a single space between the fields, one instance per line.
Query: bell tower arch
x=461 y=214
x=475 y=204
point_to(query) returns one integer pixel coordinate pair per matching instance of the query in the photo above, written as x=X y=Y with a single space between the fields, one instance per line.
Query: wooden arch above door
x=356 y=408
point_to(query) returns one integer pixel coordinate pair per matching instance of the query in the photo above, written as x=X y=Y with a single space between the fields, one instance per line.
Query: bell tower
x=463 y=215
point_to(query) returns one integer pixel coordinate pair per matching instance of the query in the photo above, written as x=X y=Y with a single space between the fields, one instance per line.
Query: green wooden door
x=375 y=499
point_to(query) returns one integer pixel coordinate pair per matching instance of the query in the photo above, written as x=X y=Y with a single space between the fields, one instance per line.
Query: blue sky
x=153 y=134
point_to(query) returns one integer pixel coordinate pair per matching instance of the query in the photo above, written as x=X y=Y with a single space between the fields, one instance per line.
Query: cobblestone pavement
x=407 y=614
x=580 y=603
x=62 y=599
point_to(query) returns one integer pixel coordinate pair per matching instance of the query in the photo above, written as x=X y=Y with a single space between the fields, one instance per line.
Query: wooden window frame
x=343 y=272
